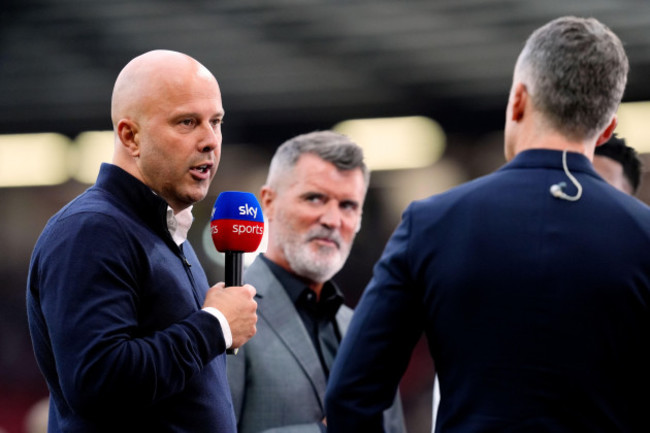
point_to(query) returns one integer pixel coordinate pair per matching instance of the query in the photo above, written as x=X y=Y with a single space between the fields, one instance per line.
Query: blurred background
x=422 y=85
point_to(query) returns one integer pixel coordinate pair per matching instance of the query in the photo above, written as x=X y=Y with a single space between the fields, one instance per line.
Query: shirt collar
x=179 y=224
x=331 y=298
x=328 y=305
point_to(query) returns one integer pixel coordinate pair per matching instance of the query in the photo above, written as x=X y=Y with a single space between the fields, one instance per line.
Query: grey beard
x=313 y=268
x=317 y=266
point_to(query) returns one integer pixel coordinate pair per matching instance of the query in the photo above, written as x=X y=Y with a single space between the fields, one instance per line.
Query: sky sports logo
x=237 y=223
x=248 y=210
x=239 y=229
x=236 y=234
x=236 y=205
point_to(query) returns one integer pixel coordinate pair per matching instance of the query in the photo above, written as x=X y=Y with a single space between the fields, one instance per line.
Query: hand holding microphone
x=238 y=305
x=237 y=227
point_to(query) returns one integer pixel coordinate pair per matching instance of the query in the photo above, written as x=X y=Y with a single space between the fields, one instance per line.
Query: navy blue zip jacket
x=114 y=311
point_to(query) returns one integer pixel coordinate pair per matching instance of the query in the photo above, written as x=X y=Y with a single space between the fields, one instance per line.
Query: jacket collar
x=133 y=196
x=547 y=158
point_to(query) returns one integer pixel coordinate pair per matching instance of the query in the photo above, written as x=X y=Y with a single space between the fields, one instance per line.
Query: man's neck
x=273 y=255
x=555 y=141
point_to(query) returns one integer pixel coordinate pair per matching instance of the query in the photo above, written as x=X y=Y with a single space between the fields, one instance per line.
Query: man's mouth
x=326 y=241
x=201 y=171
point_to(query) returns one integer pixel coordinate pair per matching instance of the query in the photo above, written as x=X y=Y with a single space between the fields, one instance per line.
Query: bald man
x=125 y=327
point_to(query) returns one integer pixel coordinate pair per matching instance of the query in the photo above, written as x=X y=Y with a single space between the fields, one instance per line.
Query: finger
x=251 y=289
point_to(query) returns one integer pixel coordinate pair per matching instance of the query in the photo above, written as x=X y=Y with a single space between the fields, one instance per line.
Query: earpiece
x=556 y=190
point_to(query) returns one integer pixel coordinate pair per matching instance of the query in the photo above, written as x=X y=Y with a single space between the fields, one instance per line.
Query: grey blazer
x=276 y=379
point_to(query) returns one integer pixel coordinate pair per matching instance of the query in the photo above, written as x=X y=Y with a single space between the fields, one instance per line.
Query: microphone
x=237 y=227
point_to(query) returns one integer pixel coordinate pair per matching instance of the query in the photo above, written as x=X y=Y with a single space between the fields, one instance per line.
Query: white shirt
x=179 y=225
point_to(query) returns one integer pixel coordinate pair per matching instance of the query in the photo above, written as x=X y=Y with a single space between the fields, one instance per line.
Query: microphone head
x=237 y=223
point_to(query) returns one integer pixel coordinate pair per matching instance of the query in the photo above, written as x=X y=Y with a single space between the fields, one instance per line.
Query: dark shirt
x=318 y=315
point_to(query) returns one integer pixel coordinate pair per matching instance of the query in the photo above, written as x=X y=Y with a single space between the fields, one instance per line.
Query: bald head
x=149 y=76
x=167 y=111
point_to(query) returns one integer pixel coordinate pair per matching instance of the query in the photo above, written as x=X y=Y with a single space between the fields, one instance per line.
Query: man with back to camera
x=532 y=283
x=126 y=329
x=312 y=200
x=618 y=164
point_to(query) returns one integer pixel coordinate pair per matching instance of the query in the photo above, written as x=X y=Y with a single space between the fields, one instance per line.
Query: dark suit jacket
x=536 y=309
x=276 y=378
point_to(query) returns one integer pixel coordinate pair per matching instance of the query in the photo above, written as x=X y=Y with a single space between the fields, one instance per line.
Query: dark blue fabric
x=114 y=313
x=535 y=308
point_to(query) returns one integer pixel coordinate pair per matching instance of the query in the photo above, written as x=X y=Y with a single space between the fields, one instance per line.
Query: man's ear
x=607 y=133
x=127 y=131
x=267 y=198
x=519 y=101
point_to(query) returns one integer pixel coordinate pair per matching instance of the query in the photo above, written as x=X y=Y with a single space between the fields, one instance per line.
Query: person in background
x=618 y=164
x=531 y=283
x=125 y=327
x=312 y=200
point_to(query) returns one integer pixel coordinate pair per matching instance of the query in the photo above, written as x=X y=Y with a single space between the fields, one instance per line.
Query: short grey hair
x=330 y=146
x=575 y=70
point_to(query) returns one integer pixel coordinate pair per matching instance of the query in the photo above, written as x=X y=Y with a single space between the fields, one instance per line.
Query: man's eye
x=188 y=122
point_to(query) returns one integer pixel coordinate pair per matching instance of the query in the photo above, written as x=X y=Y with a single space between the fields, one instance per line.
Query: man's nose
x=331 y=216
x=210 y=139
